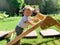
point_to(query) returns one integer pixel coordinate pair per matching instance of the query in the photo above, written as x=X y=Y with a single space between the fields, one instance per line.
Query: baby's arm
x=30 y=22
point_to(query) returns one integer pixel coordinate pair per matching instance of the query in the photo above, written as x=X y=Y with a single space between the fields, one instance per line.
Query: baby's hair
x=26 y=7
x=29 y=7
x=34 y=10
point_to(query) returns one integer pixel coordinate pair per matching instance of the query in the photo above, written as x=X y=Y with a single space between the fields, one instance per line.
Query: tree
x=15 y=6
x=48 y=6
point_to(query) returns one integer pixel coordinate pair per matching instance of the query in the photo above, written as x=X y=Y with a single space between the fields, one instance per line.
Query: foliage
x=58 y=6
x=15 y=6
x=32 y=2
x=3 y=15
x=59 y=3
x=22 y=4
x=48 y=6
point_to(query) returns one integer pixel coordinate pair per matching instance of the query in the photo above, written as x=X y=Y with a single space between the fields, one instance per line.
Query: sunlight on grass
x=10 y=23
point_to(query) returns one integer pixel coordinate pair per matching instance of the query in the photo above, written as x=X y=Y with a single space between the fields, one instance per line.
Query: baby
x=23 y=23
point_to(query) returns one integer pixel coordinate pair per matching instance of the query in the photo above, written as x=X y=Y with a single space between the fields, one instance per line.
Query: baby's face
x=27 y=12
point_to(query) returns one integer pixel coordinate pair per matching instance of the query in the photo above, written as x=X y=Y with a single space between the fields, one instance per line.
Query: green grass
x=9 y=24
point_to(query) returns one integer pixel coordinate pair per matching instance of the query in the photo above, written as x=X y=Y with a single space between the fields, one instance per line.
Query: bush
x=21 y=4
x=3 y=15
x=58 y=6
x=15 y=6
x=48 y=6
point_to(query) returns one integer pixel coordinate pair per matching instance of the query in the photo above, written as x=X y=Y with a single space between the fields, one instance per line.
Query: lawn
x=9 y=24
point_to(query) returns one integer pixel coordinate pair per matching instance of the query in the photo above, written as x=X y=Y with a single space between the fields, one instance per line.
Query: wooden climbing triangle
x=46 y=22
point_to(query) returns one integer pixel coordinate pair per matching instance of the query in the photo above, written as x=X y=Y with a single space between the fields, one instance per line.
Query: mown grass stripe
x=50 y=43
x=57 y=42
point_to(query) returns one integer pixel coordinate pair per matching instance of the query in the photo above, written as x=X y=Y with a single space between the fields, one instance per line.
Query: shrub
x=48 y=6
x=15 y=6
x=3 y=15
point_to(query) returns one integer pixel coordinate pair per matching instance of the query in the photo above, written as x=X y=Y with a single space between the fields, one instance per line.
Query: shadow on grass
x=45 y=42
x=26 y=44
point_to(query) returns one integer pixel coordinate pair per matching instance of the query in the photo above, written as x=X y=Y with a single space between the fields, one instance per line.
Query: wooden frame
x=46 y=22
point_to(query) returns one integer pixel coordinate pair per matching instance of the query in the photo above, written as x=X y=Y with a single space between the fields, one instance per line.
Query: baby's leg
x=19 y=30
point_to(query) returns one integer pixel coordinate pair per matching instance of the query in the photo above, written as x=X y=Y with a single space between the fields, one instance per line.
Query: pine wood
x=40 y=16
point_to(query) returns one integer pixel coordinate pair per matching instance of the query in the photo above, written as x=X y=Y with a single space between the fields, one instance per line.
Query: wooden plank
x=48 y=22
x=23 y=34
x=32 y=34
x=2 y=33
x=43 y=25
x=53 y=22
x=49 y=33
x=9 y=34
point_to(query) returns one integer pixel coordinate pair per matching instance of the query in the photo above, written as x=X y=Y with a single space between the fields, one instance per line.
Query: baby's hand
x=35 y=19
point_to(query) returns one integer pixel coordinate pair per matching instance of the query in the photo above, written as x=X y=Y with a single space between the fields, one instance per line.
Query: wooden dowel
x=40 y=16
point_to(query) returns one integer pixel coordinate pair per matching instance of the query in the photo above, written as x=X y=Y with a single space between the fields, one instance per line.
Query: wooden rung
x=40 y=16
